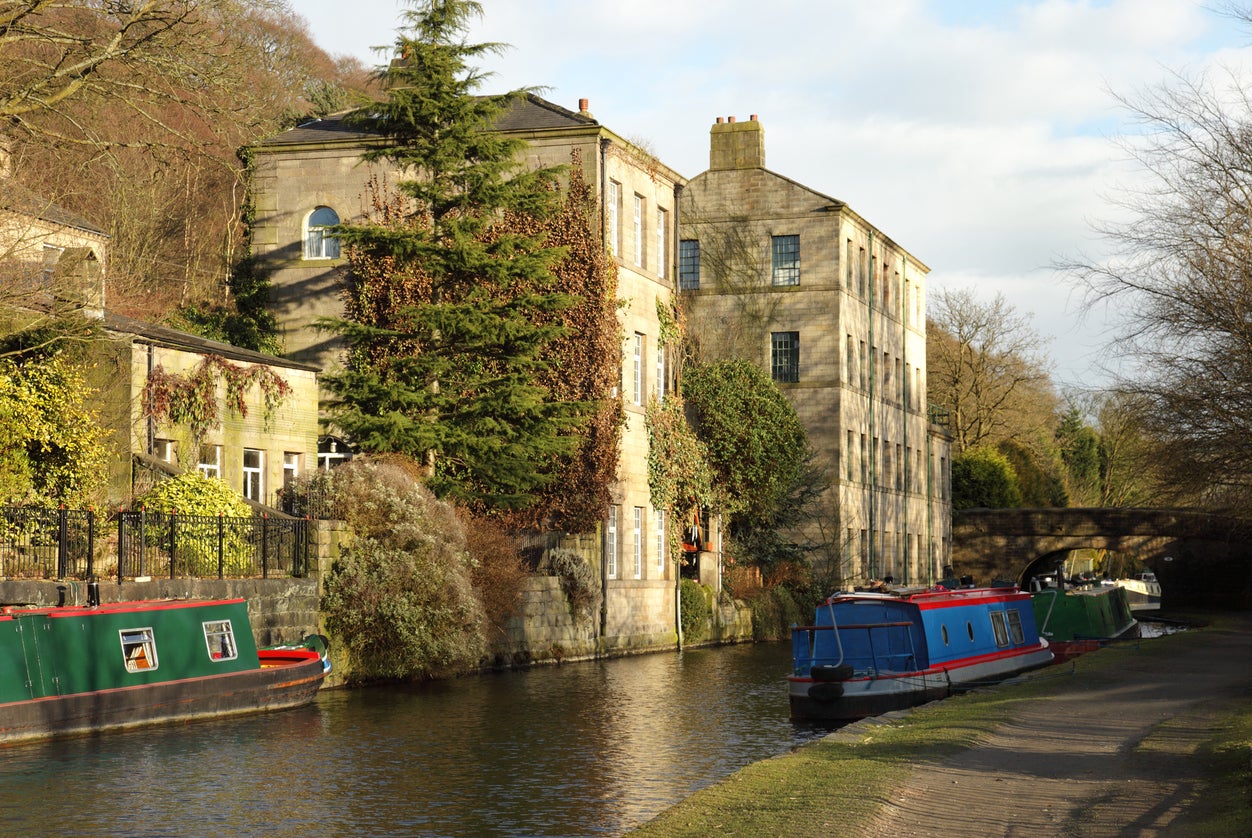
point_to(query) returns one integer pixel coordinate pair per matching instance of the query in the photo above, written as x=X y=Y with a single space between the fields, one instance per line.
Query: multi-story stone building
x=777 y=273
x=311 y=177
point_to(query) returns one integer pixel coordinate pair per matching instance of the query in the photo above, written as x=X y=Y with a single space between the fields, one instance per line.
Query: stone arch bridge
x=1201 y=558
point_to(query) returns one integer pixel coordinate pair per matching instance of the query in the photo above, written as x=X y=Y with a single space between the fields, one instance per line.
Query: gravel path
x=1108 y=756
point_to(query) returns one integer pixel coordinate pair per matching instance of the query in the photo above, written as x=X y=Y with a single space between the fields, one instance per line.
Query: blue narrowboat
x=869 y=653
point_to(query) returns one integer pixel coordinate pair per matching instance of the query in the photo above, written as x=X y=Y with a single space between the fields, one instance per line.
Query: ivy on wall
x=191 y=399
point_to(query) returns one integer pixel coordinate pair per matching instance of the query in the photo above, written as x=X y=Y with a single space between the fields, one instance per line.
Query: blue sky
x=979 y=135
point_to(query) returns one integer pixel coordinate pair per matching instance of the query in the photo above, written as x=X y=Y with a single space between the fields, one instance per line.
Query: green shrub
x=696 y=612
x=578 y=581
x=191 y=493
x=400 y=597
x=774 y=612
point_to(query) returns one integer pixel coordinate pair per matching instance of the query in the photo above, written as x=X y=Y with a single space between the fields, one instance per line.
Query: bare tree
x=132 y=114
x=984 y=365
x=1181 y=276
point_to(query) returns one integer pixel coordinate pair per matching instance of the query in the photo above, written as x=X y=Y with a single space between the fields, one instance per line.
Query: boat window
x=945 y=634
x=139 y=649
x=1015 y=626
x=969 y=627
x=1000 y=628
x=220 y=637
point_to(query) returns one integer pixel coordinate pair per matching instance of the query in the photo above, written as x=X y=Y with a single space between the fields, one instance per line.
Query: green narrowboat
x=1080 y=619
x=71 y=670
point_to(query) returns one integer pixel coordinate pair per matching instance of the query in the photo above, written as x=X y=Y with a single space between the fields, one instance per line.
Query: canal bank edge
x=641 y=615
x=1152 y=736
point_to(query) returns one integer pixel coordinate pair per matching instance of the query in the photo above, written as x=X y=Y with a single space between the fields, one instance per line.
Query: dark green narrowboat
x=79 y=669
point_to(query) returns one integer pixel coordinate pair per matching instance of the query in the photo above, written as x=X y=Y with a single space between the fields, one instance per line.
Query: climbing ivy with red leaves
x=191 y=399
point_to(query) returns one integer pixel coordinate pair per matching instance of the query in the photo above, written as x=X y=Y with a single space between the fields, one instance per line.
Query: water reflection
x=582 y=749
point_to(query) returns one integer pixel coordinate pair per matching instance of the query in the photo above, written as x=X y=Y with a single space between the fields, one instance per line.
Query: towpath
x=1110 y=754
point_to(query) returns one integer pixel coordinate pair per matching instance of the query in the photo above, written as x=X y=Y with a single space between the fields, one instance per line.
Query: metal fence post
x=221 y=546
x=121 y=545
x=63 y=538
x=265 y=547
x=91 y=544
x=173 y=543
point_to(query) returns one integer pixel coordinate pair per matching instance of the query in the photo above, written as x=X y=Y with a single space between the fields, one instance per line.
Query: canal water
x=580 y=749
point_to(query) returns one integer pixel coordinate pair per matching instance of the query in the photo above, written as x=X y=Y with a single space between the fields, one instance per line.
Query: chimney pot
x=582 y=105
x=720 y=120
x=731 y=120
x=753 y=118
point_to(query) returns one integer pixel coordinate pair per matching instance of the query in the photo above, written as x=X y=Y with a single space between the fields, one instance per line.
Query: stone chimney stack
x=737 y=145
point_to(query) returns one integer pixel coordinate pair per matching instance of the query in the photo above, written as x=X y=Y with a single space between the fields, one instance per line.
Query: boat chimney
x=93 y=594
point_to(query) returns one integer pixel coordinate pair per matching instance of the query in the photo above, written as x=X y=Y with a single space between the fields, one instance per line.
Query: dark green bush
x=696 y=612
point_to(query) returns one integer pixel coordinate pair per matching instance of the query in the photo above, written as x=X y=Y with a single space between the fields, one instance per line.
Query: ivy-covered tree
x=451 y=317
x=758 y=450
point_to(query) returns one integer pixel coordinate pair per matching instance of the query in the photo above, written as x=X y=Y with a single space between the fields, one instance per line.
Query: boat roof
x=132 y=606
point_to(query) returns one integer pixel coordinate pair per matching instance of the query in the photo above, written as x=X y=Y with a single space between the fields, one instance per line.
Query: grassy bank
x=844 y=778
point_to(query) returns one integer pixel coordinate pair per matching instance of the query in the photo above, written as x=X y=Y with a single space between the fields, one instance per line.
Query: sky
x=980 y=135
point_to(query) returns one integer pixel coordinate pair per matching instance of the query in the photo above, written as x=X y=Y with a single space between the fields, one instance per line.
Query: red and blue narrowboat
x=869 y=653
x=71 y=670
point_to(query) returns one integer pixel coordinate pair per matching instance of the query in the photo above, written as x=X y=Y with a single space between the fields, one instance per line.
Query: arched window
x=317 y=244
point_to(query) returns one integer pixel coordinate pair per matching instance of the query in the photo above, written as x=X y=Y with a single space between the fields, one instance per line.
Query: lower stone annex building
x=311 y=177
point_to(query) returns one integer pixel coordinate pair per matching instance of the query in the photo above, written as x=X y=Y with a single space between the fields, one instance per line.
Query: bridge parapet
x=1003 y=543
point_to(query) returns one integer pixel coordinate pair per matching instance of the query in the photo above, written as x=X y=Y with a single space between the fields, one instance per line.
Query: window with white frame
x=637 y=396
x=786 y=260
x=610 y=545
x=318 y=243
x=219 y=637
x=139 y=652
x=660 y=371
x=639 y=230
x=785 y=356
x=661 y=217
x=638 y=542
x=615 y=231
x=291 y=467
x=660 y=544
x=210 y=464
x=688 y=265
x=254 y=474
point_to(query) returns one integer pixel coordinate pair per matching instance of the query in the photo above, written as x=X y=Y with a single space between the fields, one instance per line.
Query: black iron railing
x=177 y=545
x=43 y=543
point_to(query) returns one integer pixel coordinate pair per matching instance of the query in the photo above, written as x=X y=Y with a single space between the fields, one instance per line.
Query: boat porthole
x=970 y=628
x=945 y=634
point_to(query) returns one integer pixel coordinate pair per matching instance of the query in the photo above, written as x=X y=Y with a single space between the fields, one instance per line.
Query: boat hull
x=862 y=697
x=269 y=688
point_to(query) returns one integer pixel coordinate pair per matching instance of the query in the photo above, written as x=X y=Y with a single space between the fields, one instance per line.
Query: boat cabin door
x=40 y=680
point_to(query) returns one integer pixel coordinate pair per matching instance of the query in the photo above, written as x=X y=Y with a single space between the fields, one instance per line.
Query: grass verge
x=843 y=779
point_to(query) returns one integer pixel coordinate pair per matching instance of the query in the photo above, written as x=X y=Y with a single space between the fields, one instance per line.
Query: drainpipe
x=874 y=458
x=904 y=408
x=674 y=249
x=604 y=233
x=151 y=423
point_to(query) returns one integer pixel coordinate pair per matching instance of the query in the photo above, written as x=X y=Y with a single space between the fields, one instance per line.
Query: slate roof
x=530 y=114
x=17 y=198
x=175 y=339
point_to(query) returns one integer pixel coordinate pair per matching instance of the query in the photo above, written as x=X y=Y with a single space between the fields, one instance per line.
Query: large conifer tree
x=449 y=314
